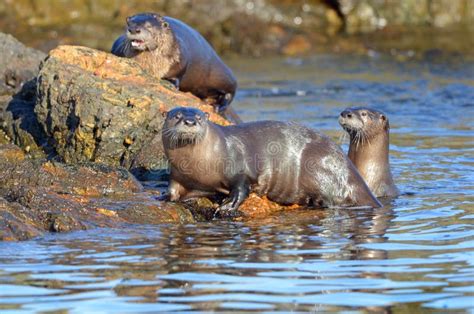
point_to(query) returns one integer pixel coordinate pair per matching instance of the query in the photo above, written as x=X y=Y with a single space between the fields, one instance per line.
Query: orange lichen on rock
x=102 y=108
x=58 y=172
x=110 y=67
x=256 y=206
x=11 y=153
x=106 y=212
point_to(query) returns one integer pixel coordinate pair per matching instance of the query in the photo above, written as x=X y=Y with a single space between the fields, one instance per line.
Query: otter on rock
x=172 y=50
x=287 y=162
x=369 y=146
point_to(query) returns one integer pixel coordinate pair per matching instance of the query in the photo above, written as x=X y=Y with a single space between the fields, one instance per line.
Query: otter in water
x=369 y=145
x=287 y=162
x=172 y=50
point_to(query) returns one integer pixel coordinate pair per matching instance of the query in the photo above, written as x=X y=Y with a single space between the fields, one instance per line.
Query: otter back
x=171 y=49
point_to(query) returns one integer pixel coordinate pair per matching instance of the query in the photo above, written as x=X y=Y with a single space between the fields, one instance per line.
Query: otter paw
x=226 y=210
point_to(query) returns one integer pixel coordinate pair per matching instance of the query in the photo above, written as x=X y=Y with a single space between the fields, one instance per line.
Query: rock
x=14 y=224
x=259 y=207
x=93 y=106
x=234 y=26
x=11 y=153
x=91 y=180
x=296 y=46
x=19 y=124
x=231 y=25
x=370 y=15
x=98 y=113
x=18 y=64
x=18 y=67
x=40 y=196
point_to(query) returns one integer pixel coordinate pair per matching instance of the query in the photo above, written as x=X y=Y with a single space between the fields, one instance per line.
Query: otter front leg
x=222 y=102
x=239 y=192
x=176 y=191
x=175 y=81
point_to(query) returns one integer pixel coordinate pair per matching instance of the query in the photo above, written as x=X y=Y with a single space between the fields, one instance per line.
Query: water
x=416 y=254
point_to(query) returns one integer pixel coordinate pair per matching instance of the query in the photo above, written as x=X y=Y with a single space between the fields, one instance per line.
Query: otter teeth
x=136 y=42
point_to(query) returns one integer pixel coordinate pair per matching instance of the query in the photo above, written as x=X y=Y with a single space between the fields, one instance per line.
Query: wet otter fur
x=172 y=50
x=369 y=148
x=287 y=162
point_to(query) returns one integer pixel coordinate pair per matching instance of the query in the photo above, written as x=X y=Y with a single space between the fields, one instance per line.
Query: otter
x=369 y=146
x=287 y=162
x=172 y=50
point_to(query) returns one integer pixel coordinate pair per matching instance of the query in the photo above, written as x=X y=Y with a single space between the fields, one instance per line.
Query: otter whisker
x=358 y=140
x=342 y=137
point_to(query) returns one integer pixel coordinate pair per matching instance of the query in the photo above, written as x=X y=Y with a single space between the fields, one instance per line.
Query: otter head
x=363 y=123
x=145 y=30
x=184 y=126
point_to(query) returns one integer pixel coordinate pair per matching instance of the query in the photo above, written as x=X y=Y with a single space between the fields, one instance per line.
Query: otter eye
x=198 y=117
x=383 y=117
x=363 y=114
x=165 y=25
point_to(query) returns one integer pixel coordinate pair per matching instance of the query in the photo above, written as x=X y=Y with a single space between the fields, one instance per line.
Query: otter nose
x=346 y=114
x=134 y=30
x=189 y=122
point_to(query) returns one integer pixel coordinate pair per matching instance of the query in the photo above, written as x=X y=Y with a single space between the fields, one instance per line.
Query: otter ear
x=383 y=117
x=155 y=16
x=164 y=114
x=207 y=115
x=128 y=19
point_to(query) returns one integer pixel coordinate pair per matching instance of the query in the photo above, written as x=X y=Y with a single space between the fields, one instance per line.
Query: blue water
x=416 y=254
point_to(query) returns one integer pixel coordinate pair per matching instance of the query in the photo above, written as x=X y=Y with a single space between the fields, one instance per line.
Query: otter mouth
x=351 y=129
x=193 y=133
x=138 y=44
x=347 y=125
x=179 y=137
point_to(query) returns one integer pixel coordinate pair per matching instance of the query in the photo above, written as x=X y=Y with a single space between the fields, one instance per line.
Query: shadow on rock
x=21 y=124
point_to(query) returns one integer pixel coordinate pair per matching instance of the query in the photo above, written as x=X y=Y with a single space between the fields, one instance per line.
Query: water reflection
x=287 y=262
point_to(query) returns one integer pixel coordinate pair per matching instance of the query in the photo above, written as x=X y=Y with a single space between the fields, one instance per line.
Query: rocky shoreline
x=256 y=28
x=77 y=128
